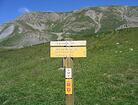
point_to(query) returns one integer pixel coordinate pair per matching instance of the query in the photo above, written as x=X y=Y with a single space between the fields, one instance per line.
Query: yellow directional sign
x=68 y=86
x=68 y=52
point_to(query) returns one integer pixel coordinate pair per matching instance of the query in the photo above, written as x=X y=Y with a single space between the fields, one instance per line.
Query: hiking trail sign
x=68 y=50
x=73 y=49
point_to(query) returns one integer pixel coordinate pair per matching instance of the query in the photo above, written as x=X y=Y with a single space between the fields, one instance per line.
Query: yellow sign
x=68 y=86
x=68 y=52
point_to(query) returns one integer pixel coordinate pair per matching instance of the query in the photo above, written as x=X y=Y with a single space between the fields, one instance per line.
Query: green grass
x=108 y=76
x=113 y=22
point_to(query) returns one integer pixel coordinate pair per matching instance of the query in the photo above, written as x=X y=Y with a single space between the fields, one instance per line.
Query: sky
x=10 y=9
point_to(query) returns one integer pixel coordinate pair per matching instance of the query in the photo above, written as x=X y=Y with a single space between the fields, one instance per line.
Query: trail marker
x=68 y=86
x=68 y=50
x=68 y=73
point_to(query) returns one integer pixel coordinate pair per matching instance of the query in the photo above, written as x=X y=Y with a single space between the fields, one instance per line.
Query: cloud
x=50 y=11
x=24 y=10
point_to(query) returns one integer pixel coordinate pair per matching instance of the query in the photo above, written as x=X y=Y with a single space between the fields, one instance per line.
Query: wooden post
x=69 y=98
x=67 y=50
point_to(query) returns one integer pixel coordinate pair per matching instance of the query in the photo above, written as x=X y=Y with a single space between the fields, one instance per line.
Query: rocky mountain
x=40 y=27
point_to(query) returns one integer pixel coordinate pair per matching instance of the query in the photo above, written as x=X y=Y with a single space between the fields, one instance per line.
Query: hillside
x=40 y=27
x=108 y=76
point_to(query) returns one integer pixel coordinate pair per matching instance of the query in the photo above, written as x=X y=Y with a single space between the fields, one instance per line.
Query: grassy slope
x=108 y=76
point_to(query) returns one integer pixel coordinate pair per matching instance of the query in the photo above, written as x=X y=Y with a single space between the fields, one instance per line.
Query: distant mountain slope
x=108 y=76
x=40 y=27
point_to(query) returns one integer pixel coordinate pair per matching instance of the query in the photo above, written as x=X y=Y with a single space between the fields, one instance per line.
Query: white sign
x=68 y=73
x=68 y=43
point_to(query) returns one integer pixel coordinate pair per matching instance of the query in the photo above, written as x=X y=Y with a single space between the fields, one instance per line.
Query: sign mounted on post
x=68 y=86
x=68 y=52
x=68 y=43
x=73 y=49
x=68 y=73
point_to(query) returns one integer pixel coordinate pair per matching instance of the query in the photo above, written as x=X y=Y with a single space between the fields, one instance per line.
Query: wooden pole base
x=69 y=98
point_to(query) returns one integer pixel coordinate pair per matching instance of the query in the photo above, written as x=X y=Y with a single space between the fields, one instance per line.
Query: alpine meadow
x=107 y=76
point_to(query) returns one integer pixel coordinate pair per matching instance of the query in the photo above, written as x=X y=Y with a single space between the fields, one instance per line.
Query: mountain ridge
x=41 y=27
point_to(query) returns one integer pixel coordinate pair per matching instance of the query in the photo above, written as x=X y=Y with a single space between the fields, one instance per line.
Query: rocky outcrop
x=6 y=32
x=96 y=17
x=40 y=27
x=37 y=26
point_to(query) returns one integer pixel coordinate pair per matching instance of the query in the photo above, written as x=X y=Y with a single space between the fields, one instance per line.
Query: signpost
x=68 y=50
